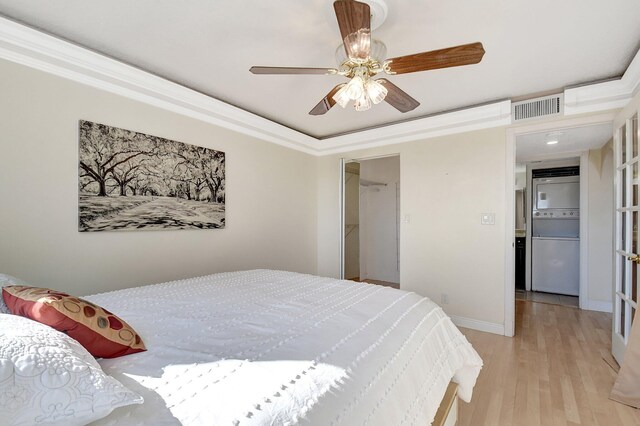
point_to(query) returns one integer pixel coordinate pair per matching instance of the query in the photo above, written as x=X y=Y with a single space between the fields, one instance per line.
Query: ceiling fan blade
x=465 y=54
x=354 y=20
x=292 y=70
x=327 y=102
x=397 y=97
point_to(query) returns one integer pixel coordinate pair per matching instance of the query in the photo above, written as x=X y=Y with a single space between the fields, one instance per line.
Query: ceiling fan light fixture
x=363 y=103
x=378 y=52
x=341 y=97
x=359 y=44
x=355 y=88
x=376 y=91
x=364 y=91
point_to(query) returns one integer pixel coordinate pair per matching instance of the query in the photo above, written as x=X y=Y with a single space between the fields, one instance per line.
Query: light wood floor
x=554 y=299
x=550 y=373
x=376 y=282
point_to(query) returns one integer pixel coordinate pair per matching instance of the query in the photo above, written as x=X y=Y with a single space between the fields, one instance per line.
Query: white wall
x=379 y=219
x=447 y=182
x=600 y=228
x=271 y=197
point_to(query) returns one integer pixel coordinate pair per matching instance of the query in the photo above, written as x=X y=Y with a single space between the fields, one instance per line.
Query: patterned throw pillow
x=47 y=378
x=102 y=333
x=6 y=280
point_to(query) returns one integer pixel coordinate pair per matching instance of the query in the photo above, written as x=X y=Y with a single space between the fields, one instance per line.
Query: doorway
x=583 y=141
x=371 y=221
x=550 y=233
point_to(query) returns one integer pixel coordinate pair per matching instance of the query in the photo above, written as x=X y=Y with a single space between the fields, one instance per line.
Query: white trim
x=604 y=96
x=583 y=290
x=552 y=157
x=26 y=46
x=528 y=245
x=341 y=203
x=598 y=305
x=564 y=123
x=510 y=237
x=466 y=120
x=474 y=324
x=342 y=206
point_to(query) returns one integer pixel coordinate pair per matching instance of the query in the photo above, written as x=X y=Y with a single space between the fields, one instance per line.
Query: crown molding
x=465 y=120
x=35 y=49
x=604 y=96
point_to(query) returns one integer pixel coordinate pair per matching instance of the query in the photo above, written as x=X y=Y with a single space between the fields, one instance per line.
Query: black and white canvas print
x=133 y=181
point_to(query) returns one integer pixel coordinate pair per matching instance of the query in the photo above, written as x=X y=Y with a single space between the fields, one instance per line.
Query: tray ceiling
x=532 y=47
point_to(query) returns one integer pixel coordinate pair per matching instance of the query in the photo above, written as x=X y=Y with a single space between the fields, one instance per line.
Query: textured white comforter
x=270 y=347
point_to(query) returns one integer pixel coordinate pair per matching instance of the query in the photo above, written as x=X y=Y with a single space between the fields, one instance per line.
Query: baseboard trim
x=474 y=324
x=599 y=305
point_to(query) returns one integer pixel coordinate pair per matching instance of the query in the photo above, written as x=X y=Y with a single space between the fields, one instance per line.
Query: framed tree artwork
x=131 y=181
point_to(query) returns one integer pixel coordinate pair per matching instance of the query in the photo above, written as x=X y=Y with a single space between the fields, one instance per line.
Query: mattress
x=269 y=347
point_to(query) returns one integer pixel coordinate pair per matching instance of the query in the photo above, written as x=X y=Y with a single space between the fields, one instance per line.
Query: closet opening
x=371 y=221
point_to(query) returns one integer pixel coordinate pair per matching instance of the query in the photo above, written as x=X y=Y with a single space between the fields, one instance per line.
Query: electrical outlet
x=444 y=298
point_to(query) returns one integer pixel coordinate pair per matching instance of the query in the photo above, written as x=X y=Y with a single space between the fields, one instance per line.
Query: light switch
x=406 y=218
x=488 y=218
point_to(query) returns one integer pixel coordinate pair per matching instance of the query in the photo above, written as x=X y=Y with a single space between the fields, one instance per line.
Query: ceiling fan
x=365 y=58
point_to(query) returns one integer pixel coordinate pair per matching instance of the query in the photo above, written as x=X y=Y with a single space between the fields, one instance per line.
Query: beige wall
x=282 y=205
x=271 y=198
x=600 y=225
x=447 y=182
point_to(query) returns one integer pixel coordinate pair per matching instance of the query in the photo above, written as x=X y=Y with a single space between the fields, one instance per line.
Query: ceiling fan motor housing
x=379 y=11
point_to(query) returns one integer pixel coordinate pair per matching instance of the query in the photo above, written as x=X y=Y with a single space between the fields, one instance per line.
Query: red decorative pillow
x=102 y=333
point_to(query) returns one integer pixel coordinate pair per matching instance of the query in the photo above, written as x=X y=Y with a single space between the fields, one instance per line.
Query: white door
x=627 y=181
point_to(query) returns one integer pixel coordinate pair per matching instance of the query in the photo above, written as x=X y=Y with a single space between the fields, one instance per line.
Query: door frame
x=510 y=161
x=341 y=207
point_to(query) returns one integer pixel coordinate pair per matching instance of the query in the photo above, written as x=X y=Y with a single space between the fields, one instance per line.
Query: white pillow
x=46 y=377
x=6 y=280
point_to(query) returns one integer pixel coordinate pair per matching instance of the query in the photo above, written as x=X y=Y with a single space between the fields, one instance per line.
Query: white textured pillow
x=6 y=280
x=48 y=378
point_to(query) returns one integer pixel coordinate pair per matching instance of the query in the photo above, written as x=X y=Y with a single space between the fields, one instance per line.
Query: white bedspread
x=269 y=347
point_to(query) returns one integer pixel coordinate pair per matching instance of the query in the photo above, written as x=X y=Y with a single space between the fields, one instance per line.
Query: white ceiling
x=532 y=47
x=534 y=146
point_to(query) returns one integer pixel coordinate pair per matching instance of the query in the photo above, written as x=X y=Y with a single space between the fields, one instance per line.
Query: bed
x=269 y=347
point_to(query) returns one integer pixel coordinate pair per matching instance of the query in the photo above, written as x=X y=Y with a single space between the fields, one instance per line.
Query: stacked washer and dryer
x=555 y=233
